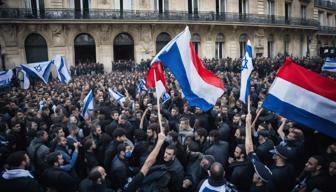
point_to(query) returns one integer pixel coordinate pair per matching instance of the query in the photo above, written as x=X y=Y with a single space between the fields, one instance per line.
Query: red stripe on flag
x=206 y=75
x=150 y=81
x=308 y=80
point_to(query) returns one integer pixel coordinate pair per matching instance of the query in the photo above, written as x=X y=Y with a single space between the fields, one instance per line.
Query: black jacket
x=22 y=184
x=87 y=185
x=119 y=172
x=241 y=174
x=175 y=169
x=60 y=180
x=220 y=150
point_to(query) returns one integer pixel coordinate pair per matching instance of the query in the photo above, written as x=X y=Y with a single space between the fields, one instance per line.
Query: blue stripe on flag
x=87 y=103
x=299 y=115
x=174 y=62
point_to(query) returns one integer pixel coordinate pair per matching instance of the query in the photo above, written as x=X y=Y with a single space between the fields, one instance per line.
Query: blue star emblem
x=244 y=65
x=38 y=68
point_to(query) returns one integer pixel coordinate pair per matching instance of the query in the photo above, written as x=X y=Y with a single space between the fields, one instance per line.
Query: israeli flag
x=141 y=86
x=87 y=105
x=41 y=69
x=6 y=78
x=329 y=65
x=246 y=70
x=165 y=97
x=117 y=96
x=62 y=70
x=26 y=82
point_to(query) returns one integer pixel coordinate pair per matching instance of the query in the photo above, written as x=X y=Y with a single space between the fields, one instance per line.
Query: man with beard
x=95 y=182
x=119 y=136
x=17 y=177
x=240 y=169
x=200 y=136
x=174 y=168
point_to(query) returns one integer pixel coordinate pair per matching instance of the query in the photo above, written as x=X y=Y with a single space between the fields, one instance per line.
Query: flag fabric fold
x=41 y=69
x=6 y=78
x=88 y=105
x=246 y=70
x=117 y=96
x=200 y=87
x=62 y=70
x=305 y=97
x=26 y=82
x=329 y=65
x=141 y=86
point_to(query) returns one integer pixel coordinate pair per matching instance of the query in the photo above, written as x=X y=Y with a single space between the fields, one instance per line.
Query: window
x=320 y=16
x=220 y=46
x=82 y=8
x=196 y=40
x=243 y=7
x=242 y=42
x=220 y=6
x=286 y=44
x=127 y=5
x=161 y=5
x=36 y=48
x=329 y=20
x=303 y=12
x=161 y=40
x=270 y=7
x=270 y=46
x=37 y=7
x=193 y=6
x=288 y=11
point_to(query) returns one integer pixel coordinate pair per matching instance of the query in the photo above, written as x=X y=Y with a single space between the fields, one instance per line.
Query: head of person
x=124 y=151
x=281 y=153
x=122 y=119
x=216 y=171
x=214 y=136
x=59 y=132
x=184 y=123
x=74 y=129
x=262 y=136
x=332 y=168
x=174 y=111
x=42 y=135
x=200 y=134
x=97 y=175
x=240 y=135
x=90 y=145
x=236 y=119
x=18 y=159
x=314 y=165
x=119 y=135
x=239 y=152
x=262 y=174
x=55 y=159
x=170 y=153
x=207 y=161
x=152 y=131
x=61 y=141
x=115 y=115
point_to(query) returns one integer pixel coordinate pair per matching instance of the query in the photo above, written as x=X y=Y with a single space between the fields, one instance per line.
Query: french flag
x=200 y=87
x=305 y=97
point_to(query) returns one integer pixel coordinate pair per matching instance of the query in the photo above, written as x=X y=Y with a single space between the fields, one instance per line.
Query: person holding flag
x=246 y=70
x=87 y=105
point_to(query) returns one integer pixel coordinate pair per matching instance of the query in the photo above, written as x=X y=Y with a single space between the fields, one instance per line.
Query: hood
x=16 y=173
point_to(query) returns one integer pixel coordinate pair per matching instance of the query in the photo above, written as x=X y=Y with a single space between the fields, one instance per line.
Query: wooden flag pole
x=158 y=105
x=249 y=104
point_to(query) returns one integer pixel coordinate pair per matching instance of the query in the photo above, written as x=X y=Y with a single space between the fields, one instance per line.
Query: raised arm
x=248 y=137
x=142 y=119
x=281 y=128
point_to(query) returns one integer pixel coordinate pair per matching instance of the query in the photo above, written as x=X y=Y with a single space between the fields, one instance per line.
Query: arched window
x=123 y=47
x=242 y=42
x=196 y=40
x=270 y=46
x=161 y=40
x=85 y=48
x=220 y=46
x=36 y=48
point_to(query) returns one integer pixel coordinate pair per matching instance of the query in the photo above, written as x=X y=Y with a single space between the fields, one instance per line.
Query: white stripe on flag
x=304 y=99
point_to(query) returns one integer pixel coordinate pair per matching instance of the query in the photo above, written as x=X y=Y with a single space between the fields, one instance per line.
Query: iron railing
x=136 y=15
x=327 y=29
x=325 y=4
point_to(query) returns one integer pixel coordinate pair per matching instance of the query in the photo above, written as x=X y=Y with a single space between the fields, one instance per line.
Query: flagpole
x=158 y=104
x=249 y=104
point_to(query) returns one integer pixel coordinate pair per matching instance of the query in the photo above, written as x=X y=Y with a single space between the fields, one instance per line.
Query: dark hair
x=320 y=160
x=94 y=174
x=39 y=134
x=118 y=132
x=217 y=171
x=88 y=143
x=121 y=147
x=52 y=158
x=140 y=134
x=154 y=127
x=15 y=159
x=242 y=148
x=202 y=132
x=215 y=135
x=172 y=147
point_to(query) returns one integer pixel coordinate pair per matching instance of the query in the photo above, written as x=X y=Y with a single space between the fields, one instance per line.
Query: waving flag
x=26 y=82
x=246 y=70
x=6 y=78
x=62 y=70
x=329 y=65
x=305 y=97
x=200 y=87
x=141 y=86
x=117 y=96
x=87 y=105
x=41 y=69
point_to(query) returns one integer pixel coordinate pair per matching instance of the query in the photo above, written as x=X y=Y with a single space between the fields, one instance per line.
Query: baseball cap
x=262 y=170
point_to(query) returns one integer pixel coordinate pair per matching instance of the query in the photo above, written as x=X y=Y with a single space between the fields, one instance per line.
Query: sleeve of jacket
x=72 y=162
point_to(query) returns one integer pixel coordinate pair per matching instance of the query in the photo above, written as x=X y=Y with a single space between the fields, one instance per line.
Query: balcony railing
x=325 y=4
x=327 y=29
x=117 y=15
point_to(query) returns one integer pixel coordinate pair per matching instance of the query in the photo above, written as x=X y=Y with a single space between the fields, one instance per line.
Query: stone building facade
x=108 y=30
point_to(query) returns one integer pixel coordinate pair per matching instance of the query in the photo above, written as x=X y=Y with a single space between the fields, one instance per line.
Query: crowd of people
x=46 y=144
x=86 y=68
